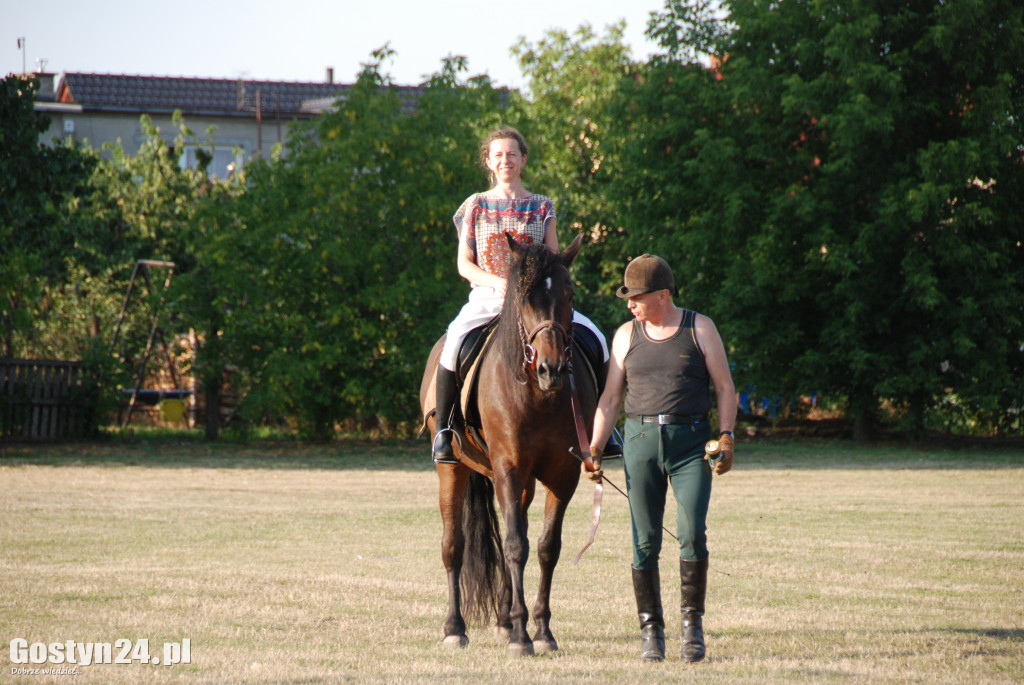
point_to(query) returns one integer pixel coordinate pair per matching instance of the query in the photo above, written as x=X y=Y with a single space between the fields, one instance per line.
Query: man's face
x=643 y=306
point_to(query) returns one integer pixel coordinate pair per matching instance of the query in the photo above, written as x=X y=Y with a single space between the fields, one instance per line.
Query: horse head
x=540 y=296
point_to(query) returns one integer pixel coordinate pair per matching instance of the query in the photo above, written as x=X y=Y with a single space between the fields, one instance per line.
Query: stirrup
x=435 y=449
x=613 y=448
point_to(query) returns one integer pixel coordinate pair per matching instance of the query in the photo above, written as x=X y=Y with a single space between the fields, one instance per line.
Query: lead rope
x=581 y=435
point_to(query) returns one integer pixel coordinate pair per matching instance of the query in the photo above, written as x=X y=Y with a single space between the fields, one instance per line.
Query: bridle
x=530 y=352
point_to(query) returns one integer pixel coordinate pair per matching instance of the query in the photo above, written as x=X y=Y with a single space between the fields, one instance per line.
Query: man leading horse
x=663 y=361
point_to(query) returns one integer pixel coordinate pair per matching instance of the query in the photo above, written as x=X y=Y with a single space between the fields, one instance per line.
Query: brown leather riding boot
x=647 y=589
x=694 y=582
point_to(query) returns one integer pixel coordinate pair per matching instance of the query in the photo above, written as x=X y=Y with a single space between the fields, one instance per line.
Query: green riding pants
x=656 y=456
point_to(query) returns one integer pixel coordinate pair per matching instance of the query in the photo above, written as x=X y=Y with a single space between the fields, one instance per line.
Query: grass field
x=297 y=564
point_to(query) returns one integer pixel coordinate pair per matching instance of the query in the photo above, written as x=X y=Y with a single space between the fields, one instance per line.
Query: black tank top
x=667 y=376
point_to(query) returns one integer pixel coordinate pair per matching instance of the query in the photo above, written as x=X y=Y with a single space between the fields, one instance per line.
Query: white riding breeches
x=484 y=304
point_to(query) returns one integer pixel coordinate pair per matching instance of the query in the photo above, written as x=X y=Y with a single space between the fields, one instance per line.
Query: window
x=222 y=158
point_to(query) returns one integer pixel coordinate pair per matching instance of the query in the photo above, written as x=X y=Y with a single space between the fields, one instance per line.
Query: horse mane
x=531 y=265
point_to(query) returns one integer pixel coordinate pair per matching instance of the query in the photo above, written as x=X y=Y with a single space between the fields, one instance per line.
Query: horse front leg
x=504 y=627
x=454 y=479
x=549 y=549
x=517 y=550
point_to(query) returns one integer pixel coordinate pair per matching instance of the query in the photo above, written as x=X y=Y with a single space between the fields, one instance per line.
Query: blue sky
x=294 y=40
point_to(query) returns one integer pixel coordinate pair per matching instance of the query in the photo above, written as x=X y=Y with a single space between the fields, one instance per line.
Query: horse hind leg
x=452 y=494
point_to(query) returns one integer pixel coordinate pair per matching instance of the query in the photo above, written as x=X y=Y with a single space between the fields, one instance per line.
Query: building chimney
x=330 y=76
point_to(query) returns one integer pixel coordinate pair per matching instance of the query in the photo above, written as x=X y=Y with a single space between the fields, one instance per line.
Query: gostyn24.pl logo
x=72 y=653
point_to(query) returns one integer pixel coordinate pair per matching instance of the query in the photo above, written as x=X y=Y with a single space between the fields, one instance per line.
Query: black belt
x=667 y=419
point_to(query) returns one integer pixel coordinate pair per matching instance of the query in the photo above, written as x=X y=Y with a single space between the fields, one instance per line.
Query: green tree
x=846 y=199
x=203 y=293
x=113 y=212
x=336 y=269
x=72 y=226
x=35 y=182
x=574 y=80
x=133 y=207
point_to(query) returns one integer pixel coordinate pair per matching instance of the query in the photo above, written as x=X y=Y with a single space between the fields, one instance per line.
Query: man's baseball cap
x=646 y=274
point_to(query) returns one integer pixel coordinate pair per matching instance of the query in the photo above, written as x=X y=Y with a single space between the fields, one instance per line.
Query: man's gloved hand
x=728 y=447
x=591 y=468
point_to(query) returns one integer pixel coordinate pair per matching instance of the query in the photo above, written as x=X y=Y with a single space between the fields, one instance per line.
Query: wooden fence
x=41 y=400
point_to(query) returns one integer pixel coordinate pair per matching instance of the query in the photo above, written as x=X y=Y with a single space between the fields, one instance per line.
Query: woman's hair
x=501 y=133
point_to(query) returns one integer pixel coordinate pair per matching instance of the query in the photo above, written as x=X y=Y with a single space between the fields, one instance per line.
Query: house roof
x=225 y=97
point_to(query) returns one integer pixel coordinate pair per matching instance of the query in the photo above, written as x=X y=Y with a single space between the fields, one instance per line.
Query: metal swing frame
x=142 y=267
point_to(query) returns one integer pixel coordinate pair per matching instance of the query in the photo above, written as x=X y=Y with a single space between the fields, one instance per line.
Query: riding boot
x=446 y=393
x=613 y=447
x=694 y=582
x=647 y=589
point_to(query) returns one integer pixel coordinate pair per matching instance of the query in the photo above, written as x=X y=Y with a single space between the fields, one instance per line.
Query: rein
x=581 y=435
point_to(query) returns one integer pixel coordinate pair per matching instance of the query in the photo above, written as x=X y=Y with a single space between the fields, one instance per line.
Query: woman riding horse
x=483 y=260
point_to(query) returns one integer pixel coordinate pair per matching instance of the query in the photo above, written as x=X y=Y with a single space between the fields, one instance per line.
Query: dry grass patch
x=322 y=564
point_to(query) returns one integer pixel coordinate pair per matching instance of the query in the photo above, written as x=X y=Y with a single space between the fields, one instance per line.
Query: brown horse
x=527 y=423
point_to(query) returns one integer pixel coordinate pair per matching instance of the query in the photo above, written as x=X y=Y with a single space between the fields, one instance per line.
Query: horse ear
x=571 y=252
x=512 y=244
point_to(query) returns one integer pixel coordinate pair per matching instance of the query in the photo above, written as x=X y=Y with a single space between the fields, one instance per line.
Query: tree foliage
x=35 y=181
x=844 y=192
x=74 y=224
x=837 y=184
x=134 y=207
x=335 y=271
x=574 y=79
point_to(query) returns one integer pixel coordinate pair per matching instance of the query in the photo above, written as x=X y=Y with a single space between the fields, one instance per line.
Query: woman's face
x=505 y=160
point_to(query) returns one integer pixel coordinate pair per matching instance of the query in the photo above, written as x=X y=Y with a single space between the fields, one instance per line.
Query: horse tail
x=483 y=561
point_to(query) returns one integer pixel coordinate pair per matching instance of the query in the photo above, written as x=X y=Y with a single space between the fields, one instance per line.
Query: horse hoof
x=520 y=649
x=502 y=634
x=544 y=646
x=455 y=641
